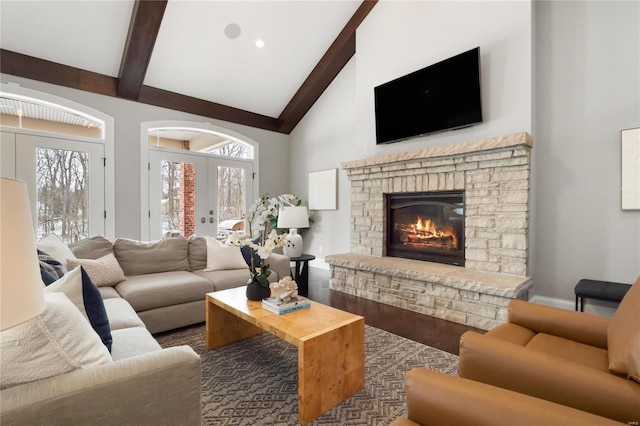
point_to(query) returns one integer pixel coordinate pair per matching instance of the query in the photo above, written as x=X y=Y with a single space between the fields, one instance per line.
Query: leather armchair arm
x=438 y=399
x=506 y=365
x=577 y=326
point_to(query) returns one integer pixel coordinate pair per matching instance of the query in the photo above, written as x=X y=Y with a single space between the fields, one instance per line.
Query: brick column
x=188 y=199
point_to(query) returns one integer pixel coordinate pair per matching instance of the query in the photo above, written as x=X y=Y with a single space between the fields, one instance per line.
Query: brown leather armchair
x=544 y=366
x=438 y=399
x=579 y=360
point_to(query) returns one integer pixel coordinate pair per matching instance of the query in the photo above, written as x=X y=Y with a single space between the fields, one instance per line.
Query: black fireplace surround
x=426 y=226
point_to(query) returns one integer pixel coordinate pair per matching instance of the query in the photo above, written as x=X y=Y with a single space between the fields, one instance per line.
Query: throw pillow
x=92 y=248
x=56 y=248
x=79 y=288
x=50 y=267
x=623 y=336
x=105 y=271
x=55 y=342
x=150 y=257
x=221 y=256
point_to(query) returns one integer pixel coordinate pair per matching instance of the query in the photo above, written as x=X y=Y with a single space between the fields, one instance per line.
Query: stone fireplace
x=426 y=226
x=493 y=176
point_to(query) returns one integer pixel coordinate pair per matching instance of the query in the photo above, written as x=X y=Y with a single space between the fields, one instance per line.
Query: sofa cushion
x=623 y=336
x=132 y=341
x=197 y=248
x=56 y=248
x=230 y=278
x=163 y=289
x=108 y=293
x=121 y=315
x=105 y=271
x=92 y=248
x=139 y=258
x=580 y=353
x=55 y=342
x=221 y=256
x=79 y=288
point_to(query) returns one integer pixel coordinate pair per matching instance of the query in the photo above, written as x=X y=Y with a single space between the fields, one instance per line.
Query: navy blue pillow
x=246 y=253
x=47 y=278
x=94 y=306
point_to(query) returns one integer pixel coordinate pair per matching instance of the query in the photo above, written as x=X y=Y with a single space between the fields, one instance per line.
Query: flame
x=429 y=227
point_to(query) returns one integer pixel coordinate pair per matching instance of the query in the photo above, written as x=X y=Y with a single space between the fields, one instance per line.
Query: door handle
x=203 y=220
x=211 y=220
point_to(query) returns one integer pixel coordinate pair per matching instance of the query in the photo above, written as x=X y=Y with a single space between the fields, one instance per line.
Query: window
x=201 y=179
x=59 y=149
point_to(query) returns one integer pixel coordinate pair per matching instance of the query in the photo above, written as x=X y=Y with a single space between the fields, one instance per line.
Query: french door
x=65 y=180
x=193 y=194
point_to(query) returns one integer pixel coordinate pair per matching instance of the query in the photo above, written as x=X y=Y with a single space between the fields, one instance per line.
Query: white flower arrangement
x=262 y=217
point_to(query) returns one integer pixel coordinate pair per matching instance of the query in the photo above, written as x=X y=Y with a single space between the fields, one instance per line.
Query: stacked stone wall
x=495 y=177
x=496 y=187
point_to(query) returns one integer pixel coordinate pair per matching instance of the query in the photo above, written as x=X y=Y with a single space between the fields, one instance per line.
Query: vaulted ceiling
x=199 y=57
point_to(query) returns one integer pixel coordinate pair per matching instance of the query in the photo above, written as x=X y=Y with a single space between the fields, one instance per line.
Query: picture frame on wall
x=323 y=190
x=630 y=140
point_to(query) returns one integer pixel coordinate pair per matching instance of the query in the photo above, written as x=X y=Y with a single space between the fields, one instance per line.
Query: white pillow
x=105 y=271
x=57 y=341
x=56 y=248
x=220 y=256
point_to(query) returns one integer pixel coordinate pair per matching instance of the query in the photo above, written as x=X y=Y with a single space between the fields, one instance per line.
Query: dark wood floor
x=434 y=332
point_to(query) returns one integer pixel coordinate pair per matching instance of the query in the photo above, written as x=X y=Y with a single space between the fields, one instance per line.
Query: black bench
x=600 y=290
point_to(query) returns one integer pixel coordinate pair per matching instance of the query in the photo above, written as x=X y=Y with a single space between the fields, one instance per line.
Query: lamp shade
x=21 y=286
x=293 y=217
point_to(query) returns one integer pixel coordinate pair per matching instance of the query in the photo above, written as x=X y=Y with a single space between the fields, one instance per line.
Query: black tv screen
x=442 y=96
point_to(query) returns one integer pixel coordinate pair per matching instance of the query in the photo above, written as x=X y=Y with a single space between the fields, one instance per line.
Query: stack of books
x=296 y=303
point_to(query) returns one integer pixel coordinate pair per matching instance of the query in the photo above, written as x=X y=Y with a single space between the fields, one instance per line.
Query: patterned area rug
x=255 y=381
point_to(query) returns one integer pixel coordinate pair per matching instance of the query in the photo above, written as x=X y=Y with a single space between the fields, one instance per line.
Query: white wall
x=575 y=91
x=274 y=152
x=325 y=137
x=395 y=39
x=587 y=86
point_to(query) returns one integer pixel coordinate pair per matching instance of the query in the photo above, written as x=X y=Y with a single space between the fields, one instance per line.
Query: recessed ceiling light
x=232 y=31
x=259 y=43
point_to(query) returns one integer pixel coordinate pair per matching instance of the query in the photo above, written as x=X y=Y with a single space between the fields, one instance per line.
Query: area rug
x=255 y=381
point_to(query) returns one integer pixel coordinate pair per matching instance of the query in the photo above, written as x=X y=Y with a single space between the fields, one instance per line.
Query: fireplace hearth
x=426 y=226
x=493 y=177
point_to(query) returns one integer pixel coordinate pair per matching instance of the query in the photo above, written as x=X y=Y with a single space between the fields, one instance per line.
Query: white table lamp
x=293 y=217
x=21 y=286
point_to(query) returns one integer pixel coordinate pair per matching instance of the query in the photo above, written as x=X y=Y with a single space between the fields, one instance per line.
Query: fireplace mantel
x=495 y=176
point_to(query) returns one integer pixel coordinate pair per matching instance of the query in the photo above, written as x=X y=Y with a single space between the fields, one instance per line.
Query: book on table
x=280 y=307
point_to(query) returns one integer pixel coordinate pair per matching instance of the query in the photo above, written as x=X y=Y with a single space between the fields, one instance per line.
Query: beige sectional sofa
x=166 y=279
x=142 y=383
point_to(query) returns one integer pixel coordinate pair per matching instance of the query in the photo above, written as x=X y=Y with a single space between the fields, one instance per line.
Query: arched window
x=60 y=149
x=201 y=179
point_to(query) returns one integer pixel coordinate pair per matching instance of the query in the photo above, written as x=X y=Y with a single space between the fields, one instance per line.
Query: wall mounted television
x=442 y=96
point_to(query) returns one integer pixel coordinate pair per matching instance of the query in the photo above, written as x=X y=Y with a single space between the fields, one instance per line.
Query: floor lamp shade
x=293 y=217
x=21 y=287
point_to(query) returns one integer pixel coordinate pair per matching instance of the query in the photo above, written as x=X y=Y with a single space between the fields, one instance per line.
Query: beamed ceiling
x=184 y=55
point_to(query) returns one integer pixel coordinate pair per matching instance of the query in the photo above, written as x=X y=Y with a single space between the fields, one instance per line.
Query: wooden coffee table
x=330 y=344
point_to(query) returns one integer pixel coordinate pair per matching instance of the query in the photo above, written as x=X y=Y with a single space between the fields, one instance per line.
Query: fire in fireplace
x=426 y=226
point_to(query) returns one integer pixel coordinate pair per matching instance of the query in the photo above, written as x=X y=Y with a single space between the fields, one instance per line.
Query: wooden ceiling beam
x=146 y=17
x=51 y=72
x=143 y=32
x=339 y=53
x=163 y=98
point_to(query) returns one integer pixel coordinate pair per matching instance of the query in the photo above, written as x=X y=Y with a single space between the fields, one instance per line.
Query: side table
x=301 y=273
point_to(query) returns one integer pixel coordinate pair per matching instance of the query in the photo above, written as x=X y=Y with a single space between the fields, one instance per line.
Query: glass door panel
x=66 y=182
x=232 y=199
x=196 y=195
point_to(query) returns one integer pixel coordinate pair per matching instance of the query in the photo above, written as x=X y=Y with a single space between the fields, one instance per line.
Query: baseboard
x=596 y=307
